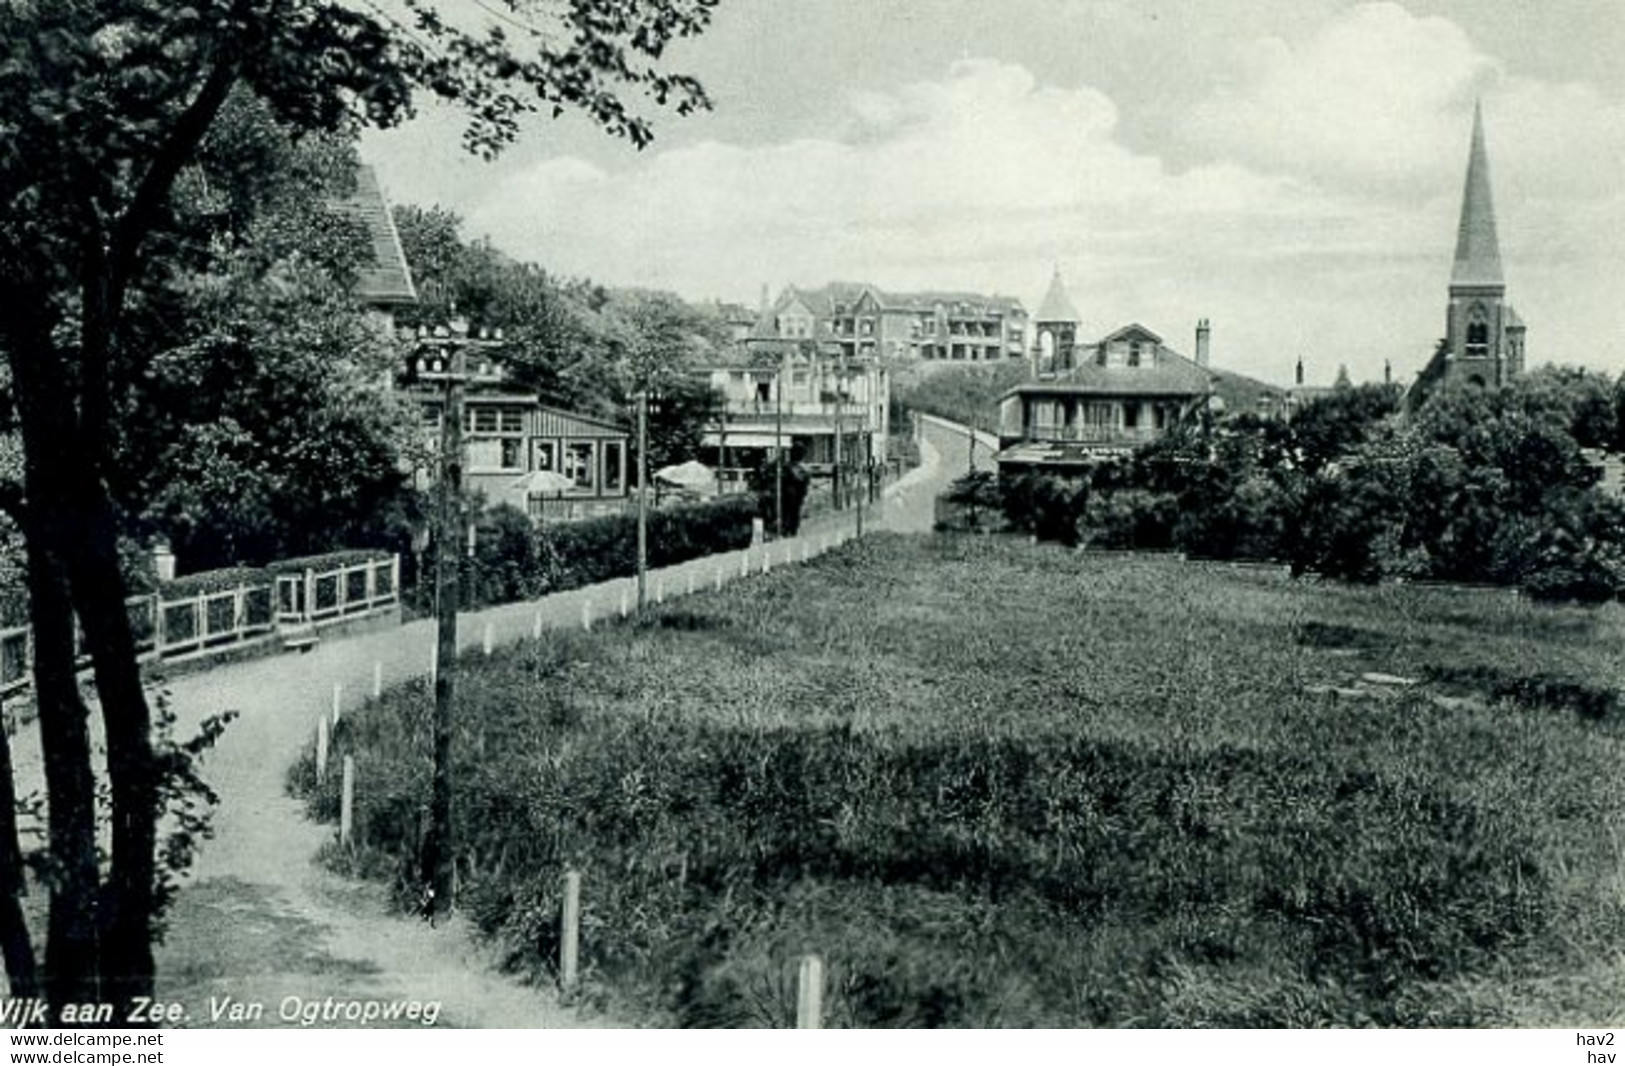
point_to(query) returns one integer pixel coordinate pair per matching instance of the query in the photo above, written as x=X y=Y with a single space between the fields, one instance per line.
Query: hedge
x=601 y=549
x=328 y=560
x=516 y=560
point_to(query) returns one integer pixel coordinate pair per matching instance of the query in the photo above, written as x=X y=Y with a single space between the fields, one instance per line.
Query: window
x=481 y=420
x=764 y=390
x=1131 y=415
x=513 y=421
x=578 y=465
x=546 y=456
x=1134 y=354
x=513 y=453
x=1099 y=417
x=1478 y=332
x=483 y=453
x=612 y=466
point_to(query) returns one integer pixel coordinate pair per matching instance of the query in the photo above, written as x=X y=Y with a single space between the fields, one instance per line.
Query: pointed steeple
x=1478 y=253
x=1057 y=306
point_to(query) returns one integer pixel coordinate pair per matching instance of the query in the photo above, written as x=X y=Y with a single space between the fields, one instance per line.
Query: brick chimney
x=1299 y=377
x=1203 y=332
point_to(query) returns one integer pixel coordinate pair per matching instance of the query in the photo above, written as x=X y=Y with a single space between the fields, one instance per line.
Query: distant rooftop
x=386 y=280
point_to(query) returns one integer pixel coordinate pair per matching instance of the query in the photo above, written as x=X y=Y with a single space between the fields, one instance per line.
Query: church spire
x=1478 y=253
x=1057 y=306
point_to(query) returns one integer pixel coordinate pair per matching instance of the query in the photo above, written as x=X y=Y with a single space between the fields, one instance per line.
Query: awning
x=749 y=440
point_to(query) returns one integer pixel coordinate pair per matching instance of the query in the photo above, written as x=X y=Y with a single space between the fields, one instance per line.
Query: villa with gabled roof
x=864 y=320
x=1110 y=397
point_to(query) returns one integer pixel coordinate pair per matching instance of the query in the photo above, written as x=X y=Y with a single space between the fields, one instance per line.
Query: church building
x=1484 y=337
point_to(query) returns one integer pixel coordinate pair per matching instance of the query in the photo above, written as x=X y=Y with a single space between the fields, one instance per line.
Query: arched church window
x=1478 y=333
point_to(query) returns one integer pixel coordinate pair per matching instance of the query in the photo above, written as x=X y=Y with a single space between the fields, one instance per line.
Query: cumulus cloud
x=1321 y=220
x=982 y=166
x=1382 y=96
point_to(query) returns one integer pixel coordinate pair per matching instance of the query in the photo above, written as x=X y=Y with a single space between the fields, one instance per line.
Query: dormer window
x=1134 y=353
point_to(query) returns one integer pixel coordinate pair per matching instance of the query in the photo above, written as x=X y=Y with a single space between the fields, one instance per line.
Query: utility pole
x=840 y=408
x=778 y=453
x=449 y=365
x=970 y=471
x=722 y=447
x=643 y=496
x=863 y=489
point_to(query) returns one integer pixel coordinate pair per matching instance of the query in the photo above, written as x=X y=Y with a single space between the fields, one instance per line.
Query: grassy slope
x=996 y=784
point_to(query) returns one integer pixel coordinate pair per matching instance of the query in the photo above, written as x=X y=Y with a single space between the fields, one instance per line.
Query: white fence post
x=691 y=582
x=744 y=563
x=536 y=626
x=810 y=993
x=570 y=932
x=347 y=803
x=719 y=579
x=338 y=702
x=321 y=751
x=486 y=640
x=377 y=680
x=586 y=615
x=660 y=589
x=626 y=603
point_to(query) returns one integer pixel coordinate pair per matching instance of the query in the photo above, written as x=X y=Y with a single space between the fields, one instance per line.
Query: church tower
x=1483 y=334
x=1055 y=329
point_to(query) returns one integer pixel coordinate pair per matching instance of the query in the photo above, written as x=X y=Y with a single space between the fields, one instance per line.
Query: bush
x=518 y=560
x=1047 y=507
x=1131 y=518
x=513 y=559
x=210 y=581
x=327 y=561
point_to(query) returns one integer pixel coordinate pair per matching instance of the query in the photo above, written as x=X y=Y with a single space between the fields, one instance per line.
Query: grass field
x=996 y=784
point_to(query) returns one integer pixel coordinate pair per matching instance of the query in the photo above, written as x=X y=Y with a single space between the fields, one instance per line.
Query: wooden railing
x=325 y=596
x=167 y=628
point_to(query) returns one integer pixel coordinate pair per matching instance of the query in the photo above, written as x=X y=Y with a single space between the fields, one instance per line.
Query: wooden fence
x=169 y=628
x=326 y=596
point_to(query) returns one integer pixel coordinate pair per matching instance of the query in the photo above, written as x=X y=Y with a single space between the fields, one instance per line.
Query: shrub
x=1045 y=506
x=1130 y=518
x=327 y=560
x=210 y=581
x=572 y=554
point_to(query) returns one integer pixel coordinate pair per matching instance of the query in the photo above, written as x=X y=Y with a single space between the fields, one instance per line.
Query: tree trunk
x=129 y=902
x=97 y=583
x=16 y=946
x=72 y=953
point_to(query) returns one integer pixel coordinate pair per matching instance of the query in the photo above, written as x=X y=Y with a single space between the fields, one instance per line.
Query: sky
x=1289 y=169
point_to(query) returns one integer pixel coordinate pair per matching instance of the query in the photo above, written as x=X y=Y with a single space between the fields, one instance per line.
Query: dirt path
x=260 y=921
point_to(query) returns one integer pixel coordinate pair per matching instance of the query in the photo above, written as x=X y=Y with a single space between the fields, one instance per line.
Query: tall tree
x=104 y=104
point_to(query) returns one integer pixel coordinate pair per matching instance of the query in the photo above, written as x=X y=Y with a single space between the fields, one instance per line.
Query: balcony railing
x=853 y=408
x=1093 y=434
